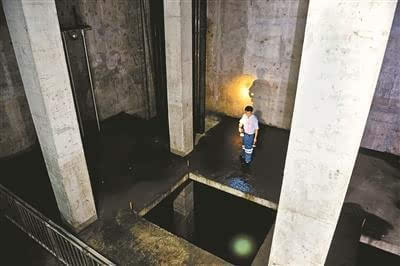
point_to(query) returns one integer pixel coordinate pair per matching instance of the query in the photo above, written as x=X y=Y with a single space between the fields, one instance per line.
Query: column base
x=180 y=153
x=80 y=227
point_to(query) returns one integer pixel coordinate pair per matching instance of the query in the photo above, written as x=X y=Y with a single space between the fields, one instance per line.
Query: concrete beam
x=178 y=45
x=342 y=55
x=36 y=38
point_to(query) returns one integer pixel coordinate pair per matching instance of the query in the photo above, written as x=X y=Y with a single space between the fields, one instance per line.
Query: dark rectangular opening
x=227 y=226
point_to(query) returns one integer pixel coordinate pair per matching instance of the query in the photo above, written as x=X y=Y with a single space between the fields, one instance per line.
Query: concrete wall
x=115 y=47
x=116 y=55
x=226 y=44
x=382 y=132
x=17 y=132
x=257 y=40
x=249 y=40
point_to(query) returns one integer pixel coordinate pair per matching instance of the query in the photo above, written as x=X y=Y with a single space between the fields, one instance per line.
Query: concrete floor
x=374 y=187
x=130 y=166
x=215 y=162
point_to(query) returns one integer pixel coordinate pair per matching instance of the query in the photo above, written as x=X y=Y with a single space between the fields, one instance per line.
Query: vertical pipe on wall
x=146 y=78
x=72 y=84
x=90 y=78
x=199 y=26
x=202 y=62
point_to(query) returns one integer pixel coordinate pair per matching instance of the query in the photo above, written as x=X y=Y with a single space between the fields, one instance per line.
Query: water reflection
x=240 y=184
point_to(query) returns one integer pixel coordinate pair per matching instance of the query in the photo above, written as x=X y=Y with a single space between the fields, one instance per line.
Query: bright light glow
x=243 y=246
x=244 y=83
x=233 y=96
x=244 y=91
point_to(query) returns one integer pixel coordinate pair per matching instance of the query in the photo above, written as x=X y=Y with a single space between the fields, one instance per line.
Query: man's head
x=248 y=110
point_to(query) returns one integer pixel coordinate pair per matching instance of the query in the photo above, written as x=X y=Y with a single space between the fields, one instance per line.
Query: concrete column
x=342 y=55
x=36 y=38
x=184 y=212
x=178 y=46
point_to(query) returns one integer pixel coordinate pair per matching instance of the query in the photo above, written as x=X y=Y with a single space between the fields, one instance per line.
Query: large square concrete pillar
x=36 y=37
x=178 y=54
x=342 y=55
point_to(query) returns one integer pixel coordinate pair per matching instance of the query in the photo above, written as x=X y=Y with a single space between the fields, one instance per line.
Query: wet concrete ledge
x=381 y=244
x=129 y=239
x=375 y=182
x=226 y=188
x=145 y=209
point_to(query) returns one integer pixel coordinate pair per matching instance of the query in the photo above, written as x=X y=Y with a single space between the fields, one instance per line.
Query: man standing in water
x=248 y=129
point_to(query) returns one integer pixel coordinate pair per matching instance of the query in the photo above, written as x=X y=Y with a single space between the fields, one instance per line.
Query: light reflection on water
x=240 y=184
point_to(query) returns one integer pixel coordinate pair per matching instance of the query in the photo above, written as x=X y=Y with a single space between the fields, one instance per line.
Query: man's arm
x=256 y=132
x=255 y=136
x=241 y=125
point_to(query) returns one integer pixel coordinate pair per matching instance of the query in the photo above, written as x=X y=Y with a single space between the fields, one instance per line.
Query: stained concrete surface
x=263 y=39
x=345 y=248
x=116 y=55
x=216 y=158
x=382 y=132
x=375 y=186
x=129 y=163
x=375 y=182
x=17 y=132
x=128 y=239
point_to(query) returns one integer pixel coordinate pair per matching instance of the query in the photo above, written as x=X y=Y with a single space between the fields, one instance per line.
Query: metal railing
x=64 y=246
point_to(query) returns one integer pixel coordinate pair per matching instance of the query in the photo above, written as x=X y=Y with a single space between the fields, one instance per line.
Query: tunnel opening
x=227 y=226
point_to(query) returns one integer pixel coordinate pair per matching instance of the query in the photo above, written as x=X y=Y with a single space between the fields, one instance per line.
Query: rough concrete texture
x=375 y=186
x=343 y=51
x=226 y=44
x=17 y=132
x=262 y=40
x=116 y=54
x=264 y=251
x=184 y=202
x=256 y=39
x=130 y=240
x=183 y=206
x=178 y=46
x=43 y=69
x=382 y=132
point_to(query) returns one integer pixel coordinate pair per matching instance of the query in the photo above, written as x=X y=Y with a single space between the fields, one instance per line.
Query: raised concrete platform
x=375 y=186
x=375 y=183
x=215 y=162
x=128 y=239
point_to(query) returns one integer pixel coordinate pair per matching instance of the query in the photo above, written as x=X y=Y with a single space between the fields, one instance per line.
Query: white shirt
x=250 y=124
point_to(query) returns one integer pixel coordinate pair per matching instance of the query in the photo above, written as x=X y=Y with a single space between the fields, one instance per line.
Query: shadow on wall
x=259 y=38
x=273 y=102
